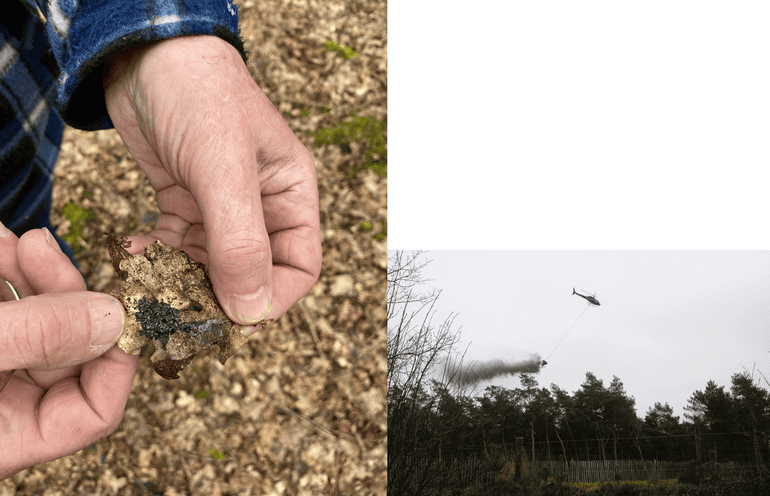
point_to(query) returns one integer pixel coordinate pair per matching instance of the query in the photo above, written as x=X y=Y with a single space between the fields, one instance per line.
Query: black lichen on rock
x=159 y=320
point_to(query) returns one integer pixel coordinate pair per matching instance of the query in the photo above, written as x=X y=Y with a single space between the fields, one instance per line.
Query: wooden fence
x=575 y=471
x=595 y=471
x=455 y=471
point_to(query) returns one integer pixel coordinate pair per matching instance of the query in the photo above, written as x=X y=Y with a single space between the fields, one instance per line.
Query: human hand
x=71 y=384
x=237 y=189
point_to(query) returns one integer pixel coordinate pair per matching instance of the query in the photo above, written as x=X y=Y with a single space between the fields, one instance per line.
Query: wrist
x=185 y=47
x=119 y=64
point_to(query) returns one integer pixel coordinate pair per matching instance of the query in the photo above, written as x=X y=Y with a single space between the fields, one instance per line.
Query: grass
x=533 y=486
x=623 y=487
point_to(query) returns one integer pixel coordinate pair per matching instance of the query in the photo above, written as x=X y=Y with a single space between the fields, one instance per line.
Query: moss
x=76 y=215
x=202 y=394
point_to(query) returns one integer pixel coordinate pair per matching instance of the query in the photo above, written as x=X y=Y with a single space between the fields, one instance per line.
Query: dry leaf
x=168 y=299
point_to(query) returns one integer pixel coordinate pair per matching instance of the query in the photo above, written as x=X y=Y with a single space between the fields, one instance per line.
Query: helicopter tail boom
x=591 y=299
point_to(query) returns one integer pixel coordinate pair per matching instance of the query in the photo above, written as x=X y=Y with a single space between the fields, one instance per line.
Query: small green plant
x=345 y=52
x=382 y=234
x=216 y=454
x=202 y=394
x=368 y=226
x=360 y=128
x=76 y=215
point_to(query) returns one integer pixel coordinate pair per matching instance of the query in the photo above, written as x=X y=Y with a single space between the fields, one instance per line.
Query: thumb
x=239 y=257
x=57 y=330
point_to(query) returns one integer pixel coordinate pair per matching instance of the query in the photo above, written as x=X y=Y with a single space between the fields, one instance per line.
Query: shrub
x=699 y=473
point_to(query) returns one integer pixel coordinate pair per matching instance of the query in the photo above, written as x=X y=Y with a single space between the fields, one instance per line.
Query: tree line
x=596 y=422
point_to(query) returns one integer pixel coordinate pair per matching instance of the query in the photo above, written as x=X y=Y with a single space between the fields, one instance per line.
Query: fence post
x=698 y=451
x=532 y=430
x=562 y=446
x=517 y=458
x=758 y=454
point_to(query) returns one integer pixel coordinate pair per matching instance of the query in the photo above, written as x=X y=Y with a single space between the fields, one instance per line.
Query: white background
x=590 y=125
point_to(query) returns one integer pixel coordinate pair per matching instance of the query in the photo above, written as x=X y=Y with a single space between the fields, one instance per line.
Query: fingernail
x=51 y=240
x=107 y=319
x=251 y=308
x=4 y=231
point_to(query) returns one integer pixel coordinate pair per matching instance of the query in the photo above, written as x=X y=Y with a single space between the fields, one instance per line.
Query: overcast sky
x=669 y=321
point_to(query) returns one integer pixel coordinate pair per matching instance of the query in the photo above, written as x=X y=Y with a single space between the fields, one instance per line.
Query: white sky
x=669 y=321
x=578 y=125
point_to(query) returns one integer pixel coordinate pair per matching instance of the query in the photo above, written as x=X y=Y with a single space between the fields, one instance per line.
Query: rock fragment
x=169 y=300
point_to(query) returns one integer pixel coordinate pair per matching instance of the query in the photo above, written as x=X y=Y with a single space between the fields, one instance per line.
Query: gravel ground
x=301 y=408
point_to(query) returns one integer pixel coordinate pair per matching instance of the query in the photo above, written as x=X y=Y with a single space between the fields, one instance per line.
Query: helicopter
x=591 y=299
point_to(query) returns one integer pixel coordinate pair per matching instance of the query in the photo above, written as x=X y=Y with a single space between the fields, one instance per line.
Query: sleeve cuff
x=83 y=42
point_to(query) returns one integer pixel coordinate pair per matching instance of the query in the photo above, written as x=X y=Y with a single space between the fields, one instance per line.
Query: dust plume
x=483 y=371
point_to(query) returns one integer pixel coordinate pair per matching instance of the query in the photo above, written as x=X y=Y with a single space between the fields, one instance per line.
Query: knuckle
x=38 y=337
x=242 y=252
x=112 y=420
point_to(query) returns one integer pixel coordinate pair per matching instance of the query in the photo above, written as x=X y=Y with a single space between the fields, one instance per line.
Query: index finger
x=9 y=265
x=7 y=293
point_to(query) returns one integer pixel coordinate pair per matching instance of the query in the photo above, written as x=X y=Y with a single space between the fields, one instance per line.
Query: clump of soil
x=169 y=299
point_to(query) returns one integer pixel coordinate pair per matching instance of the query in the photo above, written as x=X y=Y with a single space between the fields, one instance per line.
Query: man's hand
x=71 y=383
x=237 y=189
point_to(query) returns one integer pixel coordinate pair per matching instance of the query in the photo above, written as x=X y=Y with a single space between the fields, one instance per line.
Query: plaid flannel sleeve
x=85 y=34
x=30 y=127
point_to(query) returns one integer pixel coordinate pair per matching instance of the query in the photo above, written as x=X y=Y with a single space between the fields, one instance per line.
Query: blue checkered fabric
x=51 y=55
